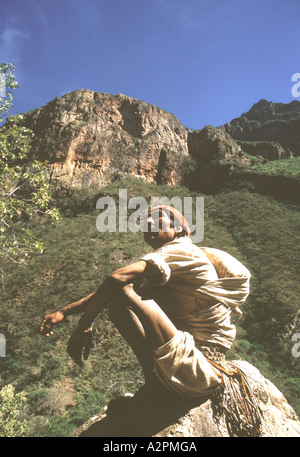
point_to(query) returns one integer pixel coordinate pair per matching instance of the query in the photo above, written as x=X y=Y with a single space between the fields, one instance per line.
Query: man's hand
x=50 y=320
x=81 y=339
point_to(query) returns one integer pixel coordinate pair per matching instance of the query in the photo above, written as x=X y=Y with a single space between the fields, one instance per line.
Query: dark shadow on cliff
x=144 y=415
x=214 y=179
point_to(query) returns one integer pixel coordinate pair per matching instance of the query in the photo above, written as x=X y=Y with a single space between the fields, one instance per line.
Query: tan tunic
x=193 y=294
x=183 y=369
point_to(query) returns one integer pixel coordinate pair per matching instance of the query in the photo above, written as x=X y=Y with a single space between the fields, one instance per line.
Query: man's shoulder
x=181 y=246
x=181 y=242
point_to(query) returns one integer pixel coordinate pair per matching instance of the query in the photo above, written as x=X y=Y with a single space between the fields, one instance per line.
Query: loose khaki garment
x=183 y=369
x=199 y=288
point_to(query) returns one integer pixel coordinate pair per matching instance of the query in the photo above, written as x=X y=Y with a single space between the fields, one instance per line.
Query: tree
x=11 y=403
x=7 y=84
x=24 y=186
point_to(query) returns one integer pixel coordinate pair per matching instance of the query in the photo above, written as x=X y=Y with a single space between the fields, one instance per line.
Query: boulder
x=156 y=413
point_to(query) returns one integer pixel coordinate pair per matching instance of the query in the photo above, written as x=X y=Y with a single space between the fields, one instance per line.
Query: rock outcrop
x=157 y=414
x=90 y=138
x=269 y=150
x=267 y=121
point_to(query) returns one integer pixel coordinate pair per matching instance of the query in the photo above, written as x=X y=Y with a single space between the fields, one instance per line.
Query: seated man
x=173 y=307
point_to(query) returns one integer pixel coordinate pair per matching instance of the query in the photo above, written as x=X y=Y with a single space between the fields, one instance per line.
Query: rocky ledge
x=157 y=414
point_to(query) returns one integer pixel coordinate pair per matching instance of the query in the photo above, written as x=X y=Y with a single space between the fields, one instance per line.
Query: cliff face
x=269 y=150
x=90 y=139
x=267 y=121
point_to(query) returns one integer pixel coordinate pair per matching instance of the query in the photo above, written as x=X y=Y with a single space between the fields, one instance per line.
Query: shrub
x=11 y=404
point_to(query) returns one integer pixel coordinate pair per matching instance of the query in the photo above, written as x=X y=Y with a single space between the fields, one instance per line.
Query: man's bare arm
x=80 y=341
x=78 y=306
x=93 y=303
x=58 y=316
x=110 y=286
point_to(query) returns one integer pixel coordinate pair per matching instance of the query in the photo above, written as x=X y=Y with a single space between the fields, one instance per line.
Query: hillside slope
x=259 y=231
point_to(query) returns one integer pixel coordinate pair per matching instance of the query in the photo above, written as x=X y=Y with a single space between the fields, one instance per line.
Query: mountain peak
x=265 y=109
x=269 y=121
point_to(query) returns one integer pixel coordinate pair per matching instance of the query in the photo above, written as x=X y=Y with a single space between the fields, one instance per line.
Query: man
x=172 y=307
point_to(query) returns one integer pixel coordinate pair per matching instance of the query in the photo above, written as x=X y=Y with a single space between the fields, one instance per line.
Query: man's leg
x=143 y=324
x=133 y=332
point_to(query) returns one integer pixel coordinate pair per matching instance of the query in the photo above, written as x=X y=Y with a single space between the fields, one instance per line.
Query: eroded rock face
x=268 y=121
x=209 y=143
x=269 y=150
x=89 y=138
x=161 y=415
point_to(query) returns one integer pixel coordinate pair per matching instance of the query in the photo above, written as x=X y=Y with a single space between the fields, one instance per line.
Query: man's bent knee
x=124 y=293
x=127 y=291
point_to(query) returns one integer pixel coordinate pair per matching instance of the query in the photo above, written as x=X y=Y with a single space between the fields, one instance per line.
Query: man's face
x=159 y=229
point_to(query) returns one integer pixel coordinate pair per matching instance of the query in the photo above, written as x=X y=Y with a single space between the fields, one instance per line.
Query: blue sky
x=205 y=61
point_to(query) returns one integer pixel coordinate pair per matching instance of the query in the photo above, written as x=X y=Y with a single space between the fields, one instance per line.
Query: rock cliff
x=90 y=138
x=157 y=414
x=267 y=121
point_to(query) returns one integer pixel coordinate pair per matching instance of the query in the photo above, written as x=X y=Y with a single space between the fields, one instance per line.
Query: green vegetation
x=261 y=232
x=11 y=405
x=7 y=71
x=25 y=189
x=289 y=168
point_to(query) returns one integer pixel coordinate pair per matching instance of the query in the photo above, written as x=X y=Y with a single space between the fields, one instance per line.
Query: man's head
x=164 y=223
